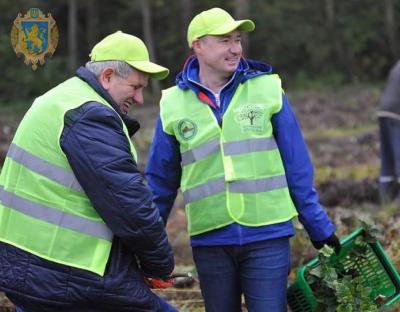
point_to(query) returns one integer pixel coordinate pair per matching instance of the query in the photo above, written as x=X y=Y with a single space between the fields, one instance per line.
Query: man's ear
x=196 y=45
x=105 y=77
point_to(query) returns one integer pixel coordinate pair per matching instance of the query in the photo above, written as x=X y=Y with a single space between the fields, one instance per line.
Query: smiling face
x=124 y=91
x=219 y=55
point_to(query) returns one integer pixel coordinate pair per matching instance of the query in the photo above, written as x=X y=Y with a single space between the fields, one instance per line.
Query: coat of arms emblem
x=34 y=36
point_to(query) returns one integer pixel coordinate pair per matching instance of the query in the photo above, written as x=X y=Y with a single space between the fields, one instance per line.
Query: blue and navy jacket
x=99 y=154
x=163 y=171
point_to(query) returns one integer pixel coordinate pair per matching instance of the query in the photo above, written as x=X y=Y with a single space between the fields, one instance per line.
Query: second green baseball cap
x=120 y=46
x=215 y=21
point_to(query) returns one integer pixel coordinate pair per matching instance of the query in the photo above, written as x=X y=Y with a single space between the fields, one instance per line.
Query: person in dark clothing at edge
x=229 y=139
x=78 y=228
x=389 y=128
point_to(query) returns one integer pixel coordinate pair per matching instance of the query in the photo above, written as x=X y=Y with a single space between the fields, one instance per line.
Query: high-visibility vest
x=43 y=208
x=232 y=173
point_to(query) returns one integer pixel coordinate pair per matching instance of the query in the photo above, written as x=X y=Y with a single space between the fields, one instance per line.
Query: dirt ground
x=341 y=132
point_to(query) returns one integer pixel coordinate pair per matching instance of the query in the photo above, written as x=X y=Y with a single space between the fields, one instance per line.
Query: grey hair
x=121 y=68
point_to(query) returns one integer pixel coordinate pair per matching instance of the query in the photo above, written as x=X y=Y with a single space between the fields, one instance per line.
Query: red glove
x=159 y=283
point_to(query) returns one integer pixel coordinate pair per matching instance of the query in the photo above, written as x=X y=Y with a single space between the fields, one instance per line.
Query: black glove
x=331 y=241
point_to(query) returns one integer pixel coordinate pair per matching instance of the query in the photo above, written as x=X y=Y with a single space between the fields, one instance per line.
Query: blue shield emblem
x=35 y=36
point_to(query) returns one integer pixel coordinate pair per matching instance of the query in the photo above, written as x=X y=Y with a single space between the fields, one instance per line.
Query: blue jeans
x=164 y=307
x=258 y=270
x=389 y=180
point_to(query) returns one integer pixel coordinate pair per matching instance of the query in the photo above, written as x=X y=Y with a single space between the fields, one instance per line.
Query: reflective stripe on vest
x=249 y=146
x=241 y=186
x=230 y=148
x=43 y=208
x=205 y=190
x=234 y=173
x=54 y=216
x=200 y=152
x=42 y=167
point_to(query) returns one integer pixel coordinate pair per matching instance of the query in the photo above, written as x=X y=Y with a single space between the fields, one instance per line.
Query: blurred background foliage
x=333 y=56
x=325 y=43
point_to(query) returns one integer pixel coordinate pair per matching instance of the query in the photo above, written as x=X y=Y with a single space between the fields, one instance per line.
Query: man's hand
x=331 y=241
x=156 y=283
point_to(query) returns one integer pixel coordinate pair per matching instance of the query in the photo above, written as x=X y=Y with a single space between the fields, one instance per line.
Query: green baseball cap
x=120 y=46
x=215 y=21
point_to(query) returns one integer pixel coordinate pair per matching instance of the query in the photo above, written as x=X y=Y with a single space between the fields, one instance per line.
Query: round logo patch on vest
x=187 y=129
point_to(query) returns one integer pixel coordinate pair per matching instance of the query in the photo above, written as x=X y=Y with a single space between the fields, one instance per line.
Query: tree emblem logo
x=187 y=129
x=34 y=36
x=251 y=117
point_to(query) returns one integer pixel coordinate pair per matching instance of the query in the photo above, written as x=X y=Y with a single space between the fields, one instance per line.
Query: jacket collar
x=247 y=69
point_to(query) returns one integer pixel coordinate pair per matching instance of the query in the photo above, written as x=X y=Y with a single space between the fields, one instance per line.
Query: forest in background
x=325 y=43
x=333 y=56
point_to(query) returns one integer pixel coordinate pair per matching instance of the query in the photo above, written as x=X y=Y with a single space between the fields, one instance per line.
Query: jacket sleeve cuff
x=320 y=231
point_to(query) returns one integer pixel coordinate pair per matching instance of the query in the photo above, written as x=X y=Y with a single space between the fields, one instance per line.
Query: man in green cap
x=78 y=228
x=229 y=139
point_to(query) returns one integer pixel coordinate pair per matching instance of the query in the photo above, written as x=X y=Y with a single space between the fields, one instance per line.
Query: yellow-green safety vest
x=43 y=208
x=232 y=173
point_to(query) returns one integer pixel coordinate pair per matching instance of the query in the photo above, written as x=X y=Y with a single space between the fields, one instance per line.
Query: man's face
x=221 y=54
x=126 y=91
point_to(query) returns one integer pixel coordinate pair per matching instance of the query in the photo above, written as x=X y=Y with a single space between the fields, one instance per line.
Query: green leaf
x=326 y=251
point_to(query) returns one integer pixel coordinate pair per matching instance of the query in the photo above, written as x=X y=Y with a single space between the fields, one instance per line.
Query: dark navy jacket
x=99 y=154
x=163 y=170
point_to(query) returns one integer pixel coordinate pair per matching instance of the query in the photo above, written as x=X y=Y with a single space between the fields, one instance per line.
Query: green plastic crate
x=375 y=269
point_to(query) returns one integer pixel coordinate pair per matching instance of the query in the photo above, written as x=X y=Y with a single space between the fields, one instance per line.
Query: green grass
x=332 y=133
x=354 y=172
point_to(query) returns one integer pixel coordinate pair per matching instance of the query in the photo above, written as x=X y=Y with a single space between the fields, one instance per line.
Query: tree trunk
x=92 y=17
x=148 y=38
x=242 y=11
x=187 y=12
x=343 y=55
x=72 y=35
x=390 y=25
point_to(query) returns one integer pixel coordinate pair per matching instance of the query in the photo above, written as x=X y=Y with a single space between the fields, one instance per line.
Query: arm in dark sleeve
x=163 y=171
x=299 y=173
x=99 y=154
